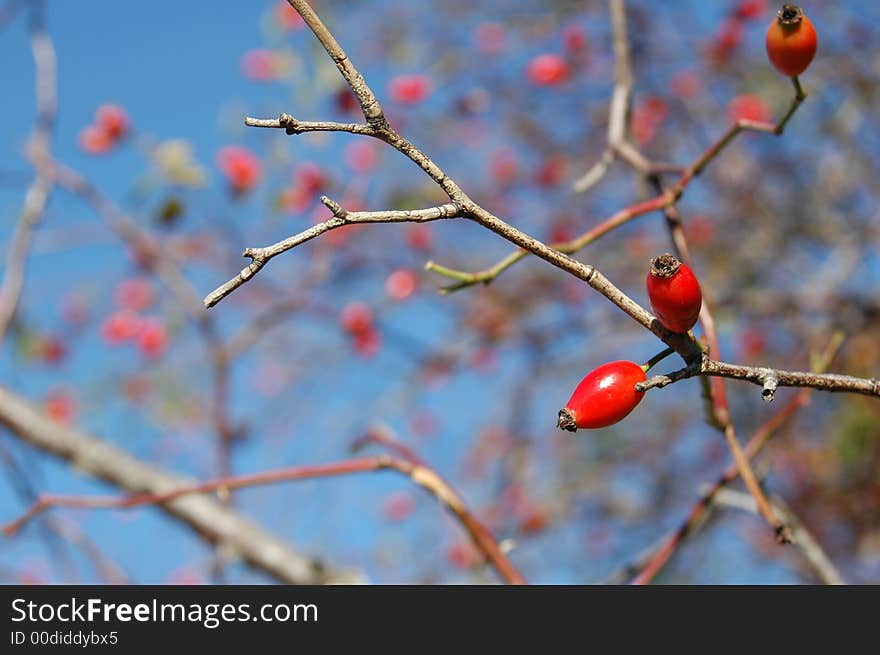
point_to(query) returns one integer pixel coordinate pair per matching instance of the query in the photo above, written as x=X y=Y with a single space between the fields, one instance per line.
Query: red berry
x=750 y=107
x=258 y=65
x=95 y=140
x=52 y=350
x=357 y=318
x=750 y=9
x=574 y=38
x=791 y=41
x=287 y=18
x=490 y=38
x=420 y=237
x=604 y=397
x=547 y=69
x=367 y=343
x=60 y=406
x=153 y=337
x=398 y=506
x=674 y=293
x=310 y=177
x=135 y=294
x=361 y=156
x=401 y=284
x=120 y=326
x=240 y=166
x=113 y=119
x=409 y=89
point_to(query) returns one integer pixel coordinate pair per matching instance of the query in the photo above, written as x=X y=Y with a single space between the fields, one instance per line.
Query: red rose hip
x=604 y=397
x=674 y=293
x=791 y=41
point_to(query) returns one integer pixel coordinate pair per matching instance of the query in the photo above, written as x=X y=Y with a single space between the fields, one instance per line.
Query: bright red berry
x=791 y=41
x=113 y=119
x=674 y=293
x=547 y=70
x=604 y=397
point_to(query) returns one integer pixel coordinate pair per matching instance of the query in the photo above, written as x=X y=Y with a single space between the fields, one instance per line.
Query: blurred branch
x=420 y=474
x=652 y=563
x=807 y=544
x=617 y=144
x=37 y=195
x=479 y=533
x=214 y=523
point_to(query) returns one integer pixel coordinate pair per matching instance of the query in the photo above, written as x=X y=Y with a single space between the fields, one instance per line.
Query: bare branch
x=654 y=561
x=215 y=523
x=807 y=544
x=416 y=471
x=293 y=126
x=37 y=195
x=341 y=218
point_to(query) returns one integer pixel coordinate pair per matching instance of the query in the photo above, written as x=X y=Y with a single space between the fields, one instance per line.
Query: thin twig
x=421 y=475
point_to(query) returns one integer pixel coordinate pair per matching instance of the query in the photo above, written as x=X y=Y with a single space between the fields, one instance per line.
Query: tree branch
x=37 y=195
x=207 y=517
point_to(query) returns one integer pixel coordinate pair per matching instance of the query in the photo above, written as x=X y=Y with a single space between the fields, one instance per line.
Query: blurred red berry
x=357 y=318
x=346 y=101
x=258 y=65
x=751 y=9
x=420 y=237
x=367 y=343
x=490 y=38
x=748 y=107
x=240 y=167
x=685 y=85
x=401 y=284
x=153 y=337
x=547 y=69
x=52 y=350
x=296 y=200
x=462 y=556
x=647 y=117
x=398 y=506
x=95 y=140
x=287 y=18
x=113 y=119
x=361 y=156
x=504 y=166
x=730 y=34
x=752 y=342
x=409 y=89
x=310 y=177
x=134 y=293
x=60 y=406
x=552 y=171
x=120 y=326
x=574 y=38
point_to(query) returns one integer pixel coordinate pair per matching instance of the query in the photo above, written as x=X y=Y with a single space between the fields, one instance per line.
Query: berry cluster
x=608 y=394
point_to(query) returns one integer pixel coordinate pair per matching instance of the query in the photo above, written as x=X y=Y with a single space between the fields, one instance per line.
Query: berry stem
x=656 y=359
